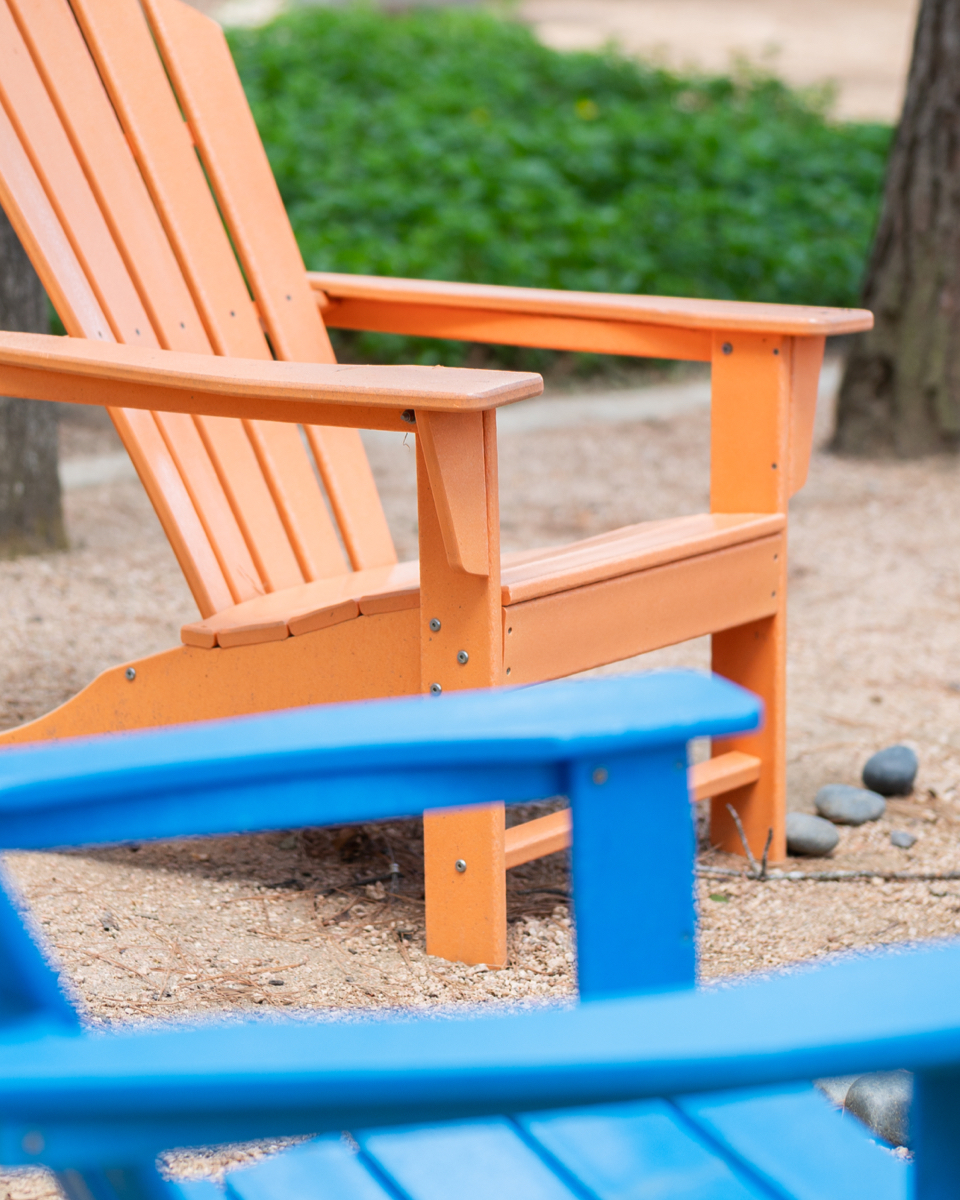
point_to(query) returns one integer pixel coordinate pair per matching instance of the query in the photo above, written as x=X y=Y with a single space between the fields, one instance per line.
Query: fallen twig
x=833 y=876
x=743 y=840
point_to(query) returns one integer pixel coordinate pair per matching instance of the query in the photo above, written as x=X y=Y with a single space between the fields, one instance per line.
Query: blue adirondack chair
x=648 y=1088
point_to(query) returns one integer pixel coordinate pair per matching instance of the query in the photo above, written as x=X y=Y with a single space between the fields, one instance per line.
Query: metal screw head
x=33 y=1142
x=462 y=657
x=727 y=348
x=435 y=625
x=461 y=865
x=600 y=775
x=131 y=673
x=409 y=416
x=436 y=689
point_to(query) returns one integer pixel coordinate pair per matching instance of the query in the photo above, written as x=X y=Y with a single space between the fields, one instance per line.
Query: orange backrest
x=100 y=177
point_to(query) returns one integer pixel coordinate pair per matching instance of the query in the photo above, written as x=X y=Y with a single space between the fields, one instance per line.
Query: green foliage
x=452 y=145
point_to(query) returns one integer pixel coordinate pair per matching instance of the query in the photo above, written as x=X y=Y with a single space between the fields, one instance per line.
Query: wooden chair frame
x=99 y=174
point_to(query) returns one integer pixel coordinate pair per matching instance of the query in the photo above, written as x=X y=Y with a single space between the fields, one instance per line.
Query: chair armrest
x=342 y=763
x=97 y=1097
x=41 y=367
x=338 y=293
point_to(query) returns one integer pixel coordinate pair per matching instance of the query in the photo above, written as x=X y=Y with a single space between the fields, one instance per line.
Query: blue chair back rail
x=653 y=1058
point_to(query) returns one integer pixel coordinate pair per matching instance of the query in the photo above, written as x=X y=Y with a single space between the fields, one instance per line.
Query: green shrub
x=452 y=145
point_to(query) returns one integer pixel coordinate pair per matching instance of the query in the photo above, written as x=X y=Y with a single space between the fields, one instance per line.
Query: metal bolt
x=409 y=416
x=462 y=657
x=436 y=689
x=600 y=775
x=33 y=1142
x=435 y=625
x=131 y=673
x=461 y=865
x=727 y=348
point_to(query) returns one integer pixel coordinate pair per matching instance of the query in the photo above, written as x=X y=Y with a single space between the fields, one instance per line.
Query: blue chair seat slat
x=641 y=1151
x=476 y=1160
x=323 y=1169
x=795 y=1139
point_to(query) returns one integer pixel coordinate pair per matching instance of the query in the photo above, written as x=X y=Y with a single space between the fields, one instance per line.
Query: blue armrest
x=129 y=1094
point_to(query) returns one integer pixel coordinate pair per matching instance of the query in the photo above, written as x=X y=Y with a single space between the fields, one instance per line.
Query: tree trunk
x=31 y=515
x=901 y=389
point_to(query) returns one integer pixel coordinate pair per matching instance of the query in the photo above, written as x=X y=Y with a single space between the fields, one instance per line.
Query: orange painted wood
x=293 y=485
x=89 y=119
x=119 y=38
x=546 y=835
x=733 y=315
x=452 y=445
x=174 y=506
x=81 y=216
x=274 y=390
x=527 y=574
x=210 y=502
x=605 y=622
x=42 y=235
x=750 y=444
x=358 y=660
x=208 y=88
x=352 y=491
x=537 y=838
x=198 y=60
x=466 y=911
x=520 y=329
x=807 y=359
x=35 y=119
x=310 y=606
x=37 y=226
x=727 y=772
x=230 y=450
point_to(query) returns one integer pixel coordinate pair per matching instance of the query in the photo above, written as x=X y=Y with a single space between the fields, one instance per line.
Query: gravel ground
x=279 y=922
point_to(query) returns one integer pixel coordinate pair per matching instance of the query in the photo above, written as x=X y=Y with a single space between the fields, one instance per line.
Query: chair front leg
x=755 y=383
x=461 y=646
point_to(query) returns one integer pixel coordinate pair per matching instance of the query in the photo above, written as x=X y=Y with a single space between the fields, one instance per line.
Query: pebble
x=882 y=1102
x=807 y=834
x=846 y=805
x=891 y=772
x=903 y=840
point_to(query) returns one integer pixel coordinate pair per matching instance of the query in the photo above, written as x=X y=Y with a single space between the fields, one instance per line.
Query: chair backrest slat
x=229 y=570
x=288 y=527
x=73 y=84
x=43 y=237
x=210 y=94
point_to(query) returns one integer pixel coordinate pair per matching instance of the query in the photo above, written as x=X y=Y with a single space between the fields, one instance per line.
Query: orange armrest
x=42 y=367
x=679 y=313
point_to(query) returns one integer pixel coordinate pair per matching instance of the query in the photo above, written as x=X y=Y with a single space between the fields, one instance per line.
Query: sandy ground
x=861 y=47
x=279 y=921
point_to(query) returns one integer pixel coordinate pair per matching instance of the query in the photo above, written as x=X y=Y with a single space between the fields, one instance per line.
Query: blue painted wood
x=475 y=1161
x=82 y=1103
x=643 y=1151
x=935 y=1132
x=324 y=1169
x=29 y=989
x=798 y=1143
x=140 y=1092
x=334 y=764
x=633 y=872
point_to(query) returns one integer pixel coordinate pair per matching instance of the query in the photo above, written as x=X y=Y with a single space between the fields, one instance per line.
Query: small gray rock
x=807 y=834
x=836 y=1087
x=882 y=1102
x=903 y=840
x=891 y=772
x=846 y=805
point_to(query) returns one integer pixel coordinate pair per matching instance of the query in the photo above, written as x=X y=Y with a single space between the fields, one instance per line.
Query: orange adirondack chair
x=127 y=156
